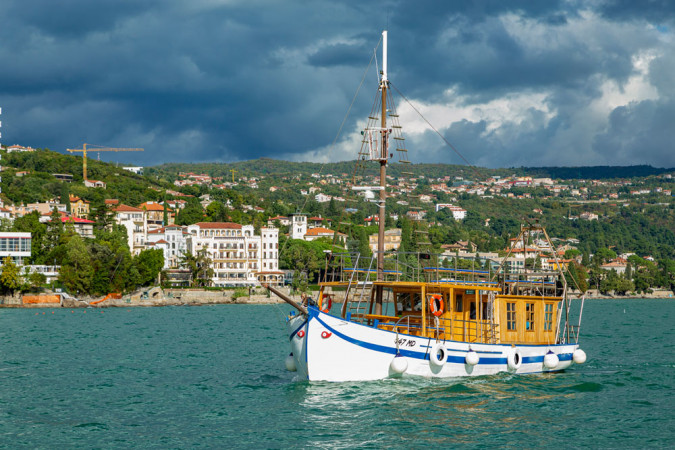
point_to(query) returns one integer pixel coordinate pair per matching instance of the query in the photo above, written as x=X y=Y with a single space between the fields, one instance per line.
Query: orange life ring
x=326 y=305
x=436 y=304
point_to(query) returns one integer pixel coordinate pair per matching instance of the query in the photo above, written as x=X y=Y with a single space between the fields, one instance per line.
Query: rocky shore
x=194 y=297
x=145 y=298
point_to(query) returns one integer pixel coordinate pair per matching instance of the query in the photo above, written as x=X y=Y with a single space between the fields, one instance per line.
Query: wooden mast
x=383 y=179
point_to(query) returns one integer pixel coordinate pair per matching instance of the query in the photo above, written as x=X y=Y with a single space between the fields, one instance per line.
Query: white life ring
x=438 y=355
x=514 y=360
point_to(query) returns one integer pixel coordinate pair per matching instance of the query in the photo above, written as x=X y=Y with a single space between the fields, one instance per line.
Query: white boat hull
x=329 y=348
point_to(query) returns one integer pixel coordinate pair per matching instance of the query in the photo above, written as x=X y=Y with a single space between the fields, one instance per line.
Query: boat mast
x=384 y=84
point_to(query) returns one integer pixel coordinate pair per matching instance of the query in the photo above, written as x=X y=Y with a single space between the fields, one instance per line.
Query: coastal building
x=392 y=240
x=172 y=240
x=135 y=221
x=16 y=245
x=239 y=256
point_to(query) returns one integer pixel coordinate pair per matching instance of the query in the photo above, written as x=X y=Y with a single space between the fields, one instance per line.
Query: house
x=392 y=240
x=138 y=170
x=83 y=227
x=94 y=184
x=19 y=148
x=282 y=220
x=66 y=177
x=155 y=214
x=319 y=232
x=79 y=207
x=619 y=265
x=172 y=240
x=135 y=221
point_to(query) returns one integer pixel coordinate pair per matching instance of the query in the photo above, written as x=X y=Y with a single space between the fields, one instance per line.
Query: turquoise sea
x=214 y=377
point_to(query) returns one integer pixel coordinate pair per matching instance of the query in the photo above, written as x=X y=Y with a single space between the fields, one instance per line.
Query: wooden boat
x=397 y=314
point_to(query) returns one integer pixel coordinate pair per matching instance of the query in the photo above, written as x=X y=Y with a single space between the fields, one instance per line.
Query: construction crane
x=233 y=171
x=97 y=148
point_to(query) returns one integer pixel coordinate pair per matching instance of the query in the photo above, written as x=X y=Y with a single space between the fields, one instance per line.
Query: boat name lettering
x=405 y=342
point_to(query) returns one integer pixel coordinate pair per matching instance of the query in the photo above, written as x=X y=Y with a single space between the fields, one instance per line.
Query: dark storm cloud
x=211 y=80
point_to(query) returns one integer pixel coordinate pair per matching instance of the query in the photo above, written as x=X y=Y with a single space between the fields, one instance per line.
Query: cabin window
x=511 y=316
x=548 y=317
x=529 y=316
x=459 y=304
x=407 y=301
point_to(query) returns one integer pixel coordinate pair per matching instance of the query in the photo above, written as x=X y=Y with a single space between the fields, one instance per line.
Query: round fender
x=471 y=358
x=579 y=356
x=551 y=360
x=514 y=360
x=398 y=365
x=290 y=363
x=438 y=355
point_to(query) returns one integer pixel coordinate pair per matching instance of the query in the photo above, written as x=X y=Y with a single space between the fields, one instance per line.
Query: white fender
x=290 y=363
x=551 y=360
x=438 y=355
x=514 y=360
x=398 y=365
x=471 y=358
x=579 y=356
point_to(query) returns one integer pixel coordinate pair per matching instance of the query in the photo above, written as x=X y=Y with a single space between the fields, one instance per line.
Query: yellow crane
x=233 y=171
x=97 y=148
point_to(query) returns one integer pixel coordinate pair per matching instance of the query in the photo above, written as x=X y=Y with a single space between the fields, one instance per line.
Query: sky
x=507 y=83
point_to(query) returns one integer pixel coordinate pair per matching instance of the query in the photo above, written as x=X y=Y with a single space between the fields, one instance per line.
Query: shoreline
x=157 y=297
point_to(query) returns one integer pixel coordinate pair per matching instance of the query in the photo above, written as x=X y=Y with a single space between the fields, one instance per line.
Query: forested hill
x=268 y=166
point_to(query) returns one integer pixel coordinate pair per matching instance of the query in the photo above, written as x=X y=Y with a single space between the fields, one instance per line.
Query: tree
x=10 y=279
x=76 y=268
x=192 y=213
x=149 y=263
x=199 y=266
x=216 y=212
x=36 y=280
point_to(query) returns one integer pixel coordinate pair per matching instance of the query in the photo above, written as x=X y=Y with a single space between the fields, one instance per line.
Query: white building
x=458 y=213
x=298 y=226
x=136 y=222
x=239 y=256
x=16 y=245
x=172 y=240
x=137 y=170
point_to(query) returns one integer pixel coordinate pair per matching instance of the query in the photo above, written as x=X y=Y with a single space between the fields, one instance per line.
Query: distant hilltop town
x=265 y=221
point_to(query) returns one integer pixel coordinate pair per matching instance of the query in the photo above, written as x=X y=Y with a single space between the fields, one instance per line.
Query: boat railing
x=475 y=331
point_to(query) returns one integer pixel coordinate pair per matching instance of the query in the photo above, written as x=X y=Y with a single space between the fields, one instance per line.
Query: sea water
x=214 y=377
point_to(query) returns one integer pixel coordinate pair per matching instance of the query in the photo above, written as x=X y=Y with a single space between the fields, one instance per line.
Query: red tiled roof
x=215 y=225
x=75 y=220
x=127 y=208
x=151 y=206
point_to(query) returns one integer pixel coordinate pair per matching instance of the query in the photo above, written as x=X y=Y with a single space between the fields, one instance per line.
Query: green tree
x=10 y=279
x=200 y=267
x=192 y=213
x=149 y=263
x=76 y=269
